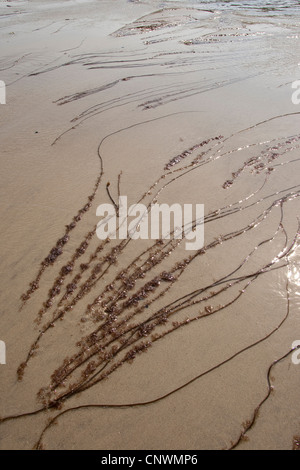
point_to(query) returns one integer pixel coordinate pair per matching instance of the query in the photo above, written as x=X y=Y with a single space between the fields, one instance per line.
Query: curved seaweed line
x=91 y=115
x=255 y=416
x=59 y=316
x=83 y=386
x=106 y=406
x=110 y=135
x=148 y=402
x=263 y=270
x=125 y=128
x=38 y=445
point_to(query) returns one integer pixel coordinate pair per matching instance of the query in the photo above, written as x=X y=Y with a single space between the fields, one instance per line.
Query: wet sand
x=112 y=91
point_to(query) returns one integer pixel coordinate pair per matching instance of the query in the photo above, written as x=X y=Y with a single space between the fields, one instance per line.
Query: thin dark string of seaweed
x=83 y=94
x=128 y=128
x=287 y=197
x=116 y=206
x=49 y=325
x=61 y=314
x=251 y=423
x=131 y=405
x=174 y=179
x=114 y=203
x=52 y=405
x=144 y=346
x=15 y=62
x=266 y=267
x=108 y=105
x=222 y=279
x=39 y=446
x=131 y=101
x=32 y=351
x=264 y=270
x=211 y=158
x=166 y=313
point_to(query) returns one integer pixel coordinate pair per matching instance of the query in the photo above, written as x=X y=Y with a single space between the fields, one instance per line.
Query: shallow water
x=120 y=91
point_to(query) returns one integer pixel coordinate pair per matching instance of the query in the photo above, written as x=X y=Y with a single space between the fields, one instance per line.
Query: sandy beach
x=134 y=344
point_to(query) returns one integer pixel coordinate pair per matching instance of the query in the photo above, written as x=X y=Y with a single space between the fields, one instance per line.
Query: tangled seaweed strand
x=93 y=279
x=249 y=425
x=124 y=327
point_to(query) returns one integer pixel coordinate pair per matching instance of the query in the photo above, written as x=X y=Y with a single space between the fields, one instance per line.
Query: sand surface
x=118 y=89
